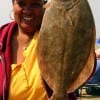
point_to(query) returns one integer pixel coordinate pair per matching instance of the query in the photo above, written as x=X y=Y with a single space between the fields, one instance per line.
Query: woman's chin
x=28 y=28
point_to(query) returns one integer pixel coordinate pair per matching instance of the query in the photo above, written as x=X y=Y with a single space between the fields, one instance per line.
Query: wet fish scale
x=66 y=46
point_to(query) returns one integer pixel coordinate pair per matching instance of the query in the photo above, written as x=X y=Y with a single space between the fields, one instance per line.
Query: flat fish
x=66 y=46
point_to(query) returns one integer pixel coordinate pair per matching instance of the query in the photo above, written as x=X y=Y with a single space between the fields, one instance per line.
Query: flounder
x=66 y=46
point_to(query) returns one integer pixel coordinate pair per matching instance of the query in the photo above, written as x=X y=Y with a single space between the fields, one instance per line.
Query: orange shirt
x=26 y=82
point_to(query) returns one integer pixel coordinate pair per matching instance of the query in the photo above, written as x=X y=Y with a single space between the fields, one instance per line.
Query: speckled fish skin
x=66 y=45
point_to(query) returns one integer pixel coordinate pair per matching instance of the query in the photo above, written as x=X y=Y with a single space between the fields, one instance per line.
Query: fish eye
x=45 y=1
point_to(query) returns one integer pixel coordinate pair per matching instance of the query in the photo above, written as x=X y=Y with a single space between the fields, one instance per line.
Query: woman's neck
x=23 y=34
x=20 y=41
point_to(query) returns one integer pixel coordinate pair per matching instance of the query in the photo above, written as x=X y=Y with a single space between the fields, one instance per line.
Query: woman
x=19 y=73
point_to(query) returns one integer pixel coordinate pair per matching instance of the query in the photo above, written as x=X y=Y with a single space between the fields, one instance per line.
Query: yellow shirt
x=26 y=82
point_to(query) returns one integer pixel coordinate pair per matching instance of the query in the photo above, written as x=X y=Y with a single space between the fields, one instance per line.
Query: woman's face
x=28 y=14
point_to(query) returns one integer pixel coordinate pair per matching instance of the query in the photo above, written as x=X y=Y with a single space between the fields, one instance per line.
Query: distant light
x=98 y=41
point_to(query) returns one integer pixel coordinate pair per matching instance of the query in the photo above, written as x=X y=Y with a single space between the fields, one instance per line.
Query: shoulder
x=4 y=29
x=7 y=25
